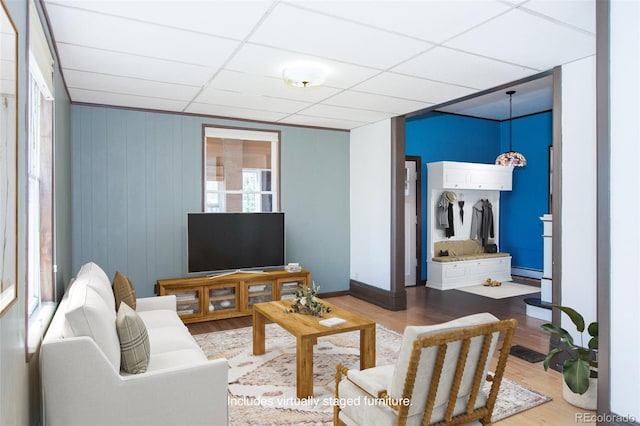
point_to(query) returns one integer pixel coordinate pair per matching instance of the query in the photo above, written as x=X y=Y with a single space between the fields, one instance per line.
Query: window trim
x=40 y=74
x=244 y=133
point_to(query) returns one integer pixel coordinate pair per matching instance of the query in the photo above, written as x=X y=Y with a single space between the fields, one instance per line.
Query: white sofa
x=82 y=383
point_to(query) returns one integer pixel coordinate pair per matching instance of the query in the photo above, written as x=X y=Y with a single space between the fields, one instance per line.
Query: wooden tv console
x=226 y=296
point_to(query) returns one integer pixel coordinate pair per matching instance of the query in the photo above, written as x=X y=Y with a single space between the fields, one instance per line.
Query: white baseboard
x=526 y=272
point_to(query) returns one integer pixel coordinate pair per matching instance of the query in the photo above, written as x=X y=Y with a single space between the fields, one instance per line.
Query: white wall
x=370 y=189
x=625 y=206
x=579 y=189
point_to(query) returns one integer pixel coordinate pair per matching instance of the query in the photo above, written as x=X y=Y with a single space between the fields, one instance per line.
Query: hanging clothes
x=449 y=231
x=461 y=205
x=444 y=212
x=482 y=221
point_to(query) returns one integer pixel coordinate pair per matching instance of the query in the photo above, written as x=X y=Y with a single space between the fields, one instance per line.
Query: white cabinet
x=470 y=182
x=450 y=275
x=454 y=175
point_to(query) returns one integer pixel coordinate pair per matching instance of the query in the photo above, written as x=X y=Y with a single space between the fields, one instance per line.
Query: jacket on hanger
x=482 y=221
x=444 y=214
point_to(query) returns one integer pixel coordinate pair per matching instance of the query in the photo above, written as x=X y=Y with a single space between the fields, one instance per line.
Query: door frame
x=418 y=160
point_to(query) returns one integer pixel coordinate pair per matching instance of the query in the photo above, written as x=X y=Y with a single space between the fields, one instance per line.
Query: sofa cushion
x=176 y=359
x=93 y=276
x=168 y=339
x=123 y=290
x=134 y=340
x=161 y=318
x=89 y=315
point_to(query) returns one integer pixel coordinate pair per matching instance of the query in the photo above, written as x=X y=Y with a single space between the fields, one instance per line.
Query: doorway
x=412 y=228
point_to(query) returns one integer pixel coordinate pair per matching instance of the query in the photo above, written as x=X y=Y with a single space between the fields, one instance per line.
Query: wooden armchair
x=437 y=379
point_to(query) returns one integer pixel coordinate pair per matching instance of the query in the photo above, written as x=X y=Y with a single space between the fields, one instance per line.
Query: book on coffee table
x=331 y=322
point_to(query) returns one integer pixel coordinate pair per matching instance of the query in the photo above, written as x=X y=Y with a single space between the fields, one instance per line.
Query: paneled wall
x=137 y=174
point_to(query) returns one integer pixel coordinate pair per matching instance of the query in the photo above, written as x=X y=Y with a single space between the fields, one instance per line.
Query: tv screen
x=230 y=241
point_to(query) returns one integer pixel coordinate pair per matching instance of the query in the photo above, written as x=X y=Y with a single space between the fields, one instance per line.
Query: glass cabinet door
x=259 y=292
x=188 y=302
x=288 y=286
x=222 y=298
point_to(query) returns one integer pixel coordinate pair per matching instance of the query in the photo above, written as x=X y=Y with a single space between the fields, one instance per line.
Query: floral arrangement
x=307 y=302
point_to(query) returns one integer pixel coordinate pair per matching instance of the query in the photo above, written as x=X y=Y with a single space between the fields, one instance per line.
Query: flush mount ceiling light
x=511 y=157
x=304 y=75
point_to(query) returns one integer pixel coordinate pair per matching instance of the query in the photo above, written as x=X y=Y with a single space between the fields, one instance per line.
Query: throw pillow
x=123 y=290
x=134 y=340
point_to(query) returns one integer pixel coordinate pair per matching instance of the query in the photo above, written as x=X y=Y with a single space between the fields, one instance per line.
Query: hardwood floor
x=428 y=306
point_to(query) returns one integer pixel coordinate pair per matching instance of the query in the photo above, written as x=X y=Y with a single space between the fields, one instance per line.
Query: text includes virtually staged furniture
x=307 y=329
x=233 y=295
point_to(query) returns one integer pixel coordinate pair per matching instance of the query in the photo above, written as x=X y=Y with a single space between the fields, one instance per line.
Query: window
x=240 y=170
x=40 y=295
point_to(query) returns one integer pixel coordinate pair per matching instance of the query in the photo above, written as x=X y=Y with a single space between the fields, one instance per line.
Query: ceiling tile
x=268 y=61
x=351 y=98
x=132 y=86
x=268 y=86
x=330 y=111
x=239 y=100
x=101 y=61
x=525 y=39
x=333 y=123
x=412 y=88
x=116 y=99
x=124 y=35
x=452 y=66
x=229 y=18
x=531 y=97
x=579 y=13
x=420 y=19
x=332 y=38
x=228 y=111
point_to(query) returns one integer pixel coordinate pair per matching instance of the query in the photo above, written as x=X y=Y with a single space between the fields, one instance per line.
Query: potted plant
x=580 y=369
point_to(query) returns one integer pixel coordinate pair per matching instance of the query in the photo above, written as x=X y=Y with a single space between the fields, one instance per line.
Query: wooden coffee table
x=306 y=329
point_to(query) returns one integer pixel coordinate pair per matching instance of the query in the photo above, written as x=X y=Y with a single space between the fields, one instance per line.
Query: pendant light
x=511 y=157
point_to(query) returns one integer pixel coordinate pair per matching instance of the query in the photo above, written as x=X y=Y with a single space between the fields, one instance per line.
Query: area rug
x=262 y=388
x=507 y=289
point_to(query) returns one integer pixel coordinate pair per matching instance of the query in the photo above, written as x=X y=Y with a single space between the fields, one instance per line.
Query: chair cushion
x=123 y=290
x=134 y=340
x=427 y=360
x=89 y=315
x=355 y=410
x=372 y=380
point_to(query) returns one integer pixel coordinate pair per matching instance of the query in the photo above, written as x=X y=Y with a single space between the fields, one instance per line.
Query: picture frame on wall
x=8 y=161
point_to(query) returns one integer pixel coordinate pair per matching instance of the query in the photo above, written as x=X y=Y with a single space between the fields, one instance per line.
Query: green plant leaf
x=593 y=343
x=552 y=353
x=558 y=331
x=583 y=353
x=576 y=375
x=593 y=329
x=575 y=317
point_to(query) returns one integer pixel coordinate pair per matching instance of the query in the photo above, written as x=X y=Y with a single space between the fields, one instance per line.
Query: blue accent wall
x=521 y=209
x=445 y=137
x=137 y=174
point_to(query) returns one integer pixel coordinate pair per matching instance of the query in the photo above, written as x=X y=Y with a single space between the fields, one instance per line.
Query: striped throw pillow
x=134 y=340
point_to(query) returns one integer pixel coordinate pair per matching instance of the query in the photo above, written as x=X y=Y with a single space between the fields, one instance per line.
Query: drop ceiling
x=385 y=58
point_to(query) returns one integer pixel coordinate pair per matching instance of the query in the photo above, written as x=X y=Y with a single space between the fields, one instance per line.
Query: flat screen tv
x=232 y=241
